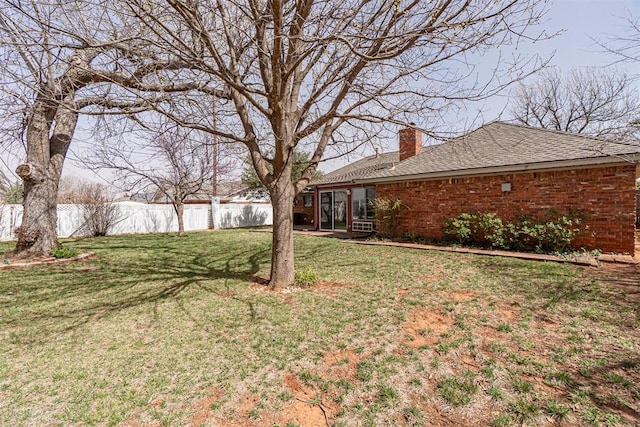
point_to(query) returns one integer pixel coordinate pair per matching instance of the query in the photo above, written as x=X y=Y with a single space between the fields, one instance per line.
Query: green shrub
x=490 y=230
x=306 y=278
x=61 y=252
x=387 y=214
x=485 y=229
x=555 y=232
x=459 y=228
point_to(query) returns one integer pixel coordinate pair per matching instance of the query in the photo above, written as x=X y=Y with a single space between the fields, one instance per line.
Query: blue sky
x=581 y=23
x=584 y=20
x=584 y=23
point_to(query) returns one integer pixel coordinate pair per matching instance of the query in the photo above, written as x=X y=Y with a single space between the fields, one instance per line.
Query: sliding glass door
x=340 y=210
x=326 y=210
x=333 y=210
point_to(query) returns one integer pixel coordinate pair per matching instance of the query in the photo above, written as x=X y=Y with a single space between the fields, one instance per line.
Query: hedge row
x=555 y=232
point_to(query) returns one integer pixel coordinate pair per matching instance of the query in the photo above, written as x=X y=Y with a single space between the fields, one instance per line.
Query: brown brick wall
x=637 y=208
x=606 y=195
x=409 y=142
x=305 y=212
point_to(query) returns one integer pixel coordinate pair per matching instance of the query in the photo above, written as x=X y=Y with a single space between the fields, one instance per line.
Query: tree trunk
x=37 y=235
x=180 y=214
x=50 y=127
x=282 y=265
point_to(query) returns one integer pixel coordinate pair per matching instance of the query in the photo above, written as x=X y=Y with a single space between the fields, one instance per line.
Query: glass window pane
x=358 y=203
x=340 y=210
x=308 y=200
x=326 y=204
x=371 y=194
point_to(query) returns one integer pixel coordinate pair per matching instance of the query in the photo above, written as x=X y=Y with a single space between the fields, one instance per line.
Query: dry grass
x=165 y=331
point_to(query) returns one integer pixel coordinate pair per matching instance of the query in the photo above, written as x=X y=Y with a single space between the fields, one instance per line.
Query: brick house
x=499 y=167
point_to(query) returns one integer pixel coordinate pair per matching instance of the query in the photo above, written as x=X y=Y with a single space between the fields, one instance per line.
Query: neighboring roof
x=360 y=169
x=500 y=146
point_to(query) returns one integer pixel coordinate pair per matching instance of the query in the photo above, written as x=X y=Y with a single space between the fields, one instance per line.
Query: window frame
x=358 y=195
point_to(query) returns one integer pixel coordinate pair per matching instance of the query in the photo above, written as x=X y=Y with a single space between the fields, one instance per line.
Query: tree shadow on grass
x=627 y=386
x=608 y=299
x=604 y=387
x=550 y=284
x=58 y=300
x=624 y=277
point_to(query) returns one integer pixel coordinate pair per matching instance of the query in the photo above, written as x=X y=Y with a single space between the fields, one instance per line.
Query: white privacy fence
x=10 y=218
x=136 y=218
x=234 y=215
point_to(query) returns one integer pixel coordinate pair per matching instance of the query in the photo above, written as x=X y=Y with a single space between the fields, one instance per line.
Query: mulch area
x=45 y=261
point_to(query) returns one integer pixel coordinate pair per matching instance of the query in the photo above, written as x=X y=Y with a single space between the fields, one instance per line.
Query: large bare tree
x=589 y=101
x=315 y=74
x=174 y=162
x=59 y=59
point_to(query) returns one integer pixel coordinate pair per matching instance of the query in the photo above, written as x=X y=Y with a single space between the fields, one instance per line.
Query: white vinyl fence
x=10 y=218
x=235 y=215
x=136 y=217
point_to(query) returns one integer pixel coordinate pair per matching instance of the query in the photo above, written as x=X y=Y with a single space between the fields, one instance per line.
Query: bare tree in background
x=60 y=59
x=323 y=76
x=626 y=48
x=177 y=163
x=587 y=101
x=99 y=213
x=70 y=190
x=5 y=184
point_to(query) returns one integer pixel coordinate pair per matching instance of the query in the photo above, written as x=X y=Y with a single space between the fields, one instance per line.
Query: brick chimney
x=410 y=142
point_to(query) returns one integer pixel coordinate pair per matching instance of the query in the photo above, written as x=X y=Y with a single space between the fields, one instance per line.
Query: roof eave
x=527 y=167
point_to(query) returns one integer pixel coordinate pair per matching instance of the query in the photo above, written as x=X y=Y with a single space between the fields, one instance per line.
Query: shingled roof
x=496 y=146
x=360 y=169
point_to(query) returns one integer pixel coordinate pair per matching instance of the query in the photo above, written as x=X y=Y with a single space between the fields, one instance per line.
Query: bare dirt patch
x=304 y=414
x=509 y=314
x=296 y=386
x=302 y=410
x=204 y=405
x=330 y=288
x=341 y=364
x=460 y=295
x=425 y=326
x=333 y=357
x=325 y=287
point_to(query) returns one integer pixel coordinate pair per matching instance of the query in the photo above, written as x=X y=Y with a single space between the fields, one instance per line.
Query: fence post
x=215 y=207
x=12 y=225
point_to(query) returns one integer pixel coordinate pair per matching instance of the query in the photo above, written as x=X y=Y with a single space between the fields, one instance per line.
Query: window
x=307 y=200
x=362 y=203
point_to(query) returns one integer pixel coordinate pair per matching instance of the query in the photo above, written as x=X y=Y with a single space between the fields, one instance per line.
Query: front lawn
x=160 y=330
